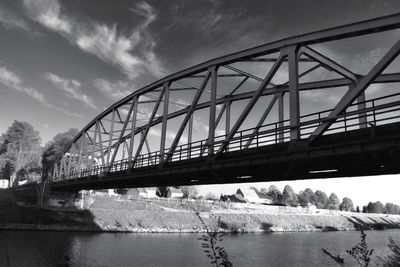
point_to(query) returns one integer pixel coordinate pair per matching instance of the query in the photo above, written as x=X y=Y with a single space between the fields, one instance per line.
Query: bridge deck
x=363 y=152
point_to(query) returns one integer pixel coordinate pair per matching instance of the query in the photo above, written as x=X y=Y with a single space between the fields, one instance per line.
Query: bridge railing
x=377 y=111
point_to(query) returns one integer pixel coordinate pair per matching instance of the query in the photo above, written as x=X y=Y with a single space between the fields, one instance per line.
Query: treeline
x=321 y=200
x=22 y=158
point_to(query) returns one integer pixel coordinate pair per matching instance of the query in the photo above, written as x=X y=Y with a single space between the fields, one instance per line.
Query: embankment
x=104 y=213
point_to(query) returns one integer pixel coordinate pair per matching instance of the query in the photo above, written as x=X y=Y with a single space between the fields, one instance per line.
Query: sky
x=64 y=62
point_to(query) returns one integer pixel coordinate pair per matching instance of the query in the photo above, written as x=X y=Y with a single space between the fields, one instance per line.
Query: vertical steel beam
x=190 y=130
x=228 y=118
x=110 y=136
x=280 y=117
x=213 y=99
x=252 y=102
x=362 y=116
x=133 y=127
x=294 y=102
x=93 y=147
x=80 y=159
x=187 y=117
x=359 y=88
x=100 y=142
x=164 y=121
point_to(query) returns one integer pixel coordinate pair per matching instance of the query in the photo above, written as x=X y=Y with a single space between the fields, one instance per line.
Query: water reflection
x=28 y=248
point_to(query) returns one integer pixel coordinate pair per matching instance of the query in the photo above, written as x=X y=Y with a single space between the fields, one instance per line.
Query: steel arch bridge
x=247 y=117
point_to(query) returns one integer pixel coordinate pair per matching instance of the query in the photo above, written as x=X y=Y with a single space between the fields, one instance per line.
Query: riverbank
x=103 y=213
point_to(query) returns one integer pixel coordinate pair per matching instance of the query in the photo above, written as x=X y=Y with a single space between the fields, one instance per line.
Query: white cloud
x=169 y=134
x=116 y=90
x=10 y=20
x=47 y=13
x=132 y=53
x=72 y=88
x=13 y=81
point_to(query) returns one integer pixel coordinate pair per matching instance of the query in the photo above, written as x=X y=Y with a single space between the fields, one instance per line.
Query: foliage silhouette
x=359 y=252
x=392 y=259
x=210 y=244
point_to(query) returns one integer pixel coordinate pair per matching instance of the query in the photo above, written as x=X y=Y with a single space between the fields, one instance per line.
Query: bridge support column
x=42 y=193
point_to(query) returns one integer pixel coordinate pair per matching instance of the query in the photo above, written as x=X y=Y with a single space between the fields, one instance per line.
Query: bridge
x=250 y=116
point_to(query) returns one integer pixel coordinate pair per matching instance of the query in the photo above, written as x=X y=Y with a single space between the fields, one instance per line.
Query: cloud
x=116 y=90
x=169 y=134
x=10 y=20
x=132 y=53
x=47 y=13
x=72 y=88
x=14 y=82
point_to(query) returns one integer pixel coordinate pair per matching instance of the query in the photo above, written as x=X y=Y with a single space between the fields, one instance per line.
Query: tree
x=306 y=197
x=358 y=209
x=20 y=153
x=190 y=191
x=274 y=194
x=210 y=196
x=289 y=197
x=333 y=202
x=392 y=208
x=376 y=207
x=321 y=199
x=347 y=204
x=54 y=149
x=364 y=209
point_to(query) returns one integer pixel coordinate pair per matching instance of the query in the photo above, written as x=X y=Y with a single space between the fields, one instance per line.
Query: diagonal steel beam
x=262 y=119
x=358 y=89
x=246 y=74
x=121 y=137
x=146 y=131
x=255 y=96
x=187 y=117
x=325 y=61
x=133 y=128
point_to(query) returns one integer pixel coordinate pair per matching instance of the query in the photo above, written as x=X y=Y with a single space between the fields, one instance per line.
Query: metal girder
x=133 y=127
x=247 y=74
x=359 y=88
x=213 y=106
x=187 y=117
x=121 y=137
x=164 y=121
x=262 y=119
x=327 y=62
x=252 y=102
x=294 y=99
x=145 y=132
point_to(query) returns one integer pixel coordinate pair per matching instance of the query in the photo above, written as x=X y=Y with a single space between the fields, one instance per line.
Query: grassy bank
x=104 y=213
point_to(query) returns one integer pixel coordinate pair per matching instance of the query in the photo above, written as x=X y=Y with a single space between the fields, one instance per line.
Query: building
x=174 y=193
x=252 y=195
x=4 y=183
x=132 y=192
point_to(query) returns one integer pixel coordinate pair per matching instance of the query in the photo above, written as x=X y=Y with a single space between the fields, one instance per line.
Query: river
x=30 y=248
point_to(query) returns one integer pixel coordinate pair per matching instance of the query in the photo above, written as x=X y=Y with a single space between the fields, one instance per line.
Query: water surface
x=29 y=248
